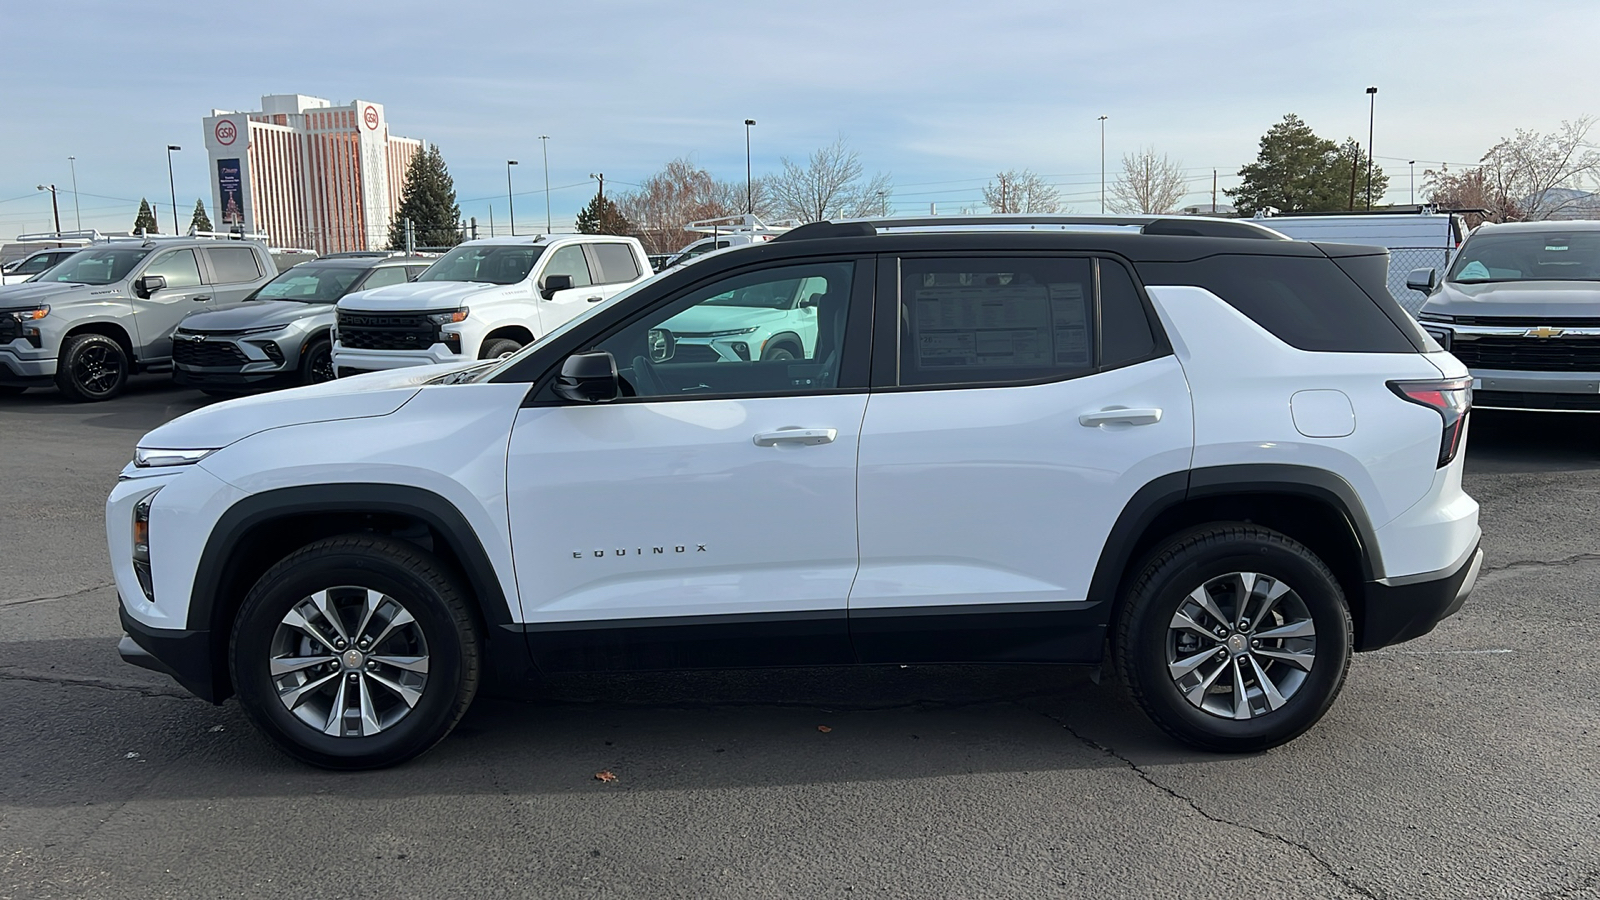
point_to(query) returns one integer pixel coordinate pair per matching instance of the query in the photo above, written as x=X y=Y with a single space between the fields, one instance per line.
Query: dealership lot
x=1460 y=764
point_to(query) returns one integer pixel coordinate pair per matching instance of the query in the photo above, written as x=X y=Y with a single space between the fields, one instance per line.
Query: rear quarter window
x=1307 y=302
x=617 y=262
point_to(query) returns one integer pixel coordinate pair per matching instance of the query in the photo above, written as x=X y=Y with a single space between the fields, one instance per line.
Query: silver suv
x=109 y=310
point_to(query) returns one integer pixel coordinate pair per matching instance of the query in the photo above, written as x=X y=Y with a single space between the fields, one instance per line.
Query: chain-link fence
x=1402 y=260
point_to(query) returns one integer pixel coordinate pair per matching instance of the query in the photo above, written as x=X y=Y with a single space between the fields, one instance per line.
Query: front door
x=1022 y=405
x=707 y=517
x=156 y=315
x=560 y=306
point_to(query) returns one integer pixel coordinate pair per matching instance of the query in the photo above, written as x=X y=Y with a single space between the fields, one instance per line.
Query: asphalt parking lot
x=1463 y=764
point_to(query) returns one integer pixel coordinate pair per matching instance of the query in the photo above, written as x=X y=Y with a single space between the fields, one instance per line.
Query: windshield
x=488 y=263
x=106 y=266
x=309 y=284
x=1525 y=256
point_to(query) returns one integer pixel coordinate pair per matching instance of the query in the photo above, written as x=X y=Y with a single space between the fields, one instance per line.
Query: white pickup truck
x=482 y=300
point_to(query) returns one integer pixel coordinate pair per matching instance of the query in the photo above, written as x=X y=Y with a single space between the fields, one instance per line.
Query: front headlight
x=731 y=332
x=446 y=318
x=30 y=315
x=158 y=457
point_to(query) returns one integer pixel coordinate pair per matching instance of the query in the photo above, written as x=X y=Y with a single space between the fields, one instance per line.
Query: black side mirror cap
x=1424 y=280
x=553 y=283
x=589 y=378
x=149 y=284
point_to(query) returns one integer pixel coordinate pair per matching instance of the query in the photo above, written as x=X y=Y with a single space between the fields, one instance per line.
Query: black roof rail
x=1192 y=226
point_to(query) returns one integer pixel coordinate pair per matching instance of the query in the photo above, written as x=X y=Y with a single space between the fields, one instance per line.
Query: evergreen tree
x=146 y=220
x=199 y=221
x=1297 y=171
x=429 y=201
x=601 y=216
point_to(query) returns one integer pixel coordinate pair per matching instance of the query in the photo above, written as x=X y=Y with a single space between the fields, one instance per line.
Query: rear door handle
x=1120 y=416
x=796 y=436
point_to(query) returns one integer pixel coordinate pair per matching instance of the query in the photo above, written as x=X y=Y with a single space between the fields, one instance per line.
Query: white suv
x=1224 y=458
x=483 y=300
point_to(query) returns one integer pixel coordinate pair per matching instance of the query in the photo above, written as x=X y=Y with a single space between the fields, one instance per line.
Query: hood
x=358 y=397
x=1517 y=298
x=253 y=314
x=419 y=297
x=16 y=296
x=705 y=318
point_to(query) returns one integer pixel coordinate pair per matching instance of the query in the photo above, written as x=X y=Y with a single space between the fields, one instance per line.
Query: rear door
x=235 y=272
x=1016 y=410
x=156 y=315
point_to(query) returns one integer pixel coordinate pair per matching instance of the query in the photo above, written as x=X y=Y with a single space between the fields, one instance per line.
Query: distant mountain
x=1572 y=204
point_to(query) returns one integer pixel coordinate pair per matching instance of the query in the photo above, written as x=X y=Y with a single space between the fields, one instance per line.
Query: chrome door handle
x=796 y=436
x=1120 y=416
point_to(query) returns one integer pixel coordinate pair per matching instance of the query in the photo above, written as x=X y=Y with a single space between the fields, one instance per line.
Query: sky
x=940 y=95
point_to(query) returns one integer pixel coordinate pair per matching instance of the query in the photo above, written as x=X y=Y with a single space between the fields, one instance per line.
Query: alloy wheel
x=1241 y=645
x=97 y=369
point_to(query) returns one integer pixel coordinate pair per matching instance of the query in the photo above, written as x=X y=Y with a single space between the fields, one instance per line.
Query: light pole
x=77 y=217
x=509 y=202
x=749 y=186
x=544 y=144
x=1413 y=165
x=883 y=199
x=53 y=208
x=1103 y=165
x=173 y=187
x=1372 y=108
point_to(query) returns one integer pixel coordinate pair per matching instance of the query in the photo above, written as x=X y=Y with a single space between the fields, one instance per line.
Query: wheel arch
x=520 y=333
x=786 y=337
x=106 y=328
x=263 y=528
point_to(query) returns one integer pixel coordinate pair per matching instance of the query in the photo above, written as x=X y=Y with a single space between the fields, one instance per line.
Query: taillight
x=1451 y=398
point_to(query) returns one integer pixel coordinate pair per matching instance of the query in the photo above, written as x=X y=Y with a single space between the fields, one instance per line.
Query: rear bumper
x=184 y=655
x=1398 y=610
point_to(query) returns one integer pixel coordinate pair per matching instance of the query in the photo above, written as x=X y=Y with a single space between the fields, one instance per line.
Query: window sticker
x=1002 y=324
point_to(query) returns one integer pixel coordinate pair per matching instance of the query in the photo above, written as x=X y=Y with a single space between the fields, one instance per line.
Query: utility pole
x=600 y=177
x=76 y=216
x=1413 y=165
x=491 y=220
x=749 y=185
x=509 y=201
x=544 y=143
x=53 y=208
x=171 y=186
x=1372 y=109
x=1213 y=192
x=1004 y=206
x=1103 y=165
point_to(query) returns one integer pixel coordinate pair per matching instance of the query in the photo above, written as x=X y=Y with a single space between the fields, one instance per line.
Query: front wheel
x=355 y=652
x=91 y=367
x=1234 y=638
x=499 y=348
x=316 y=364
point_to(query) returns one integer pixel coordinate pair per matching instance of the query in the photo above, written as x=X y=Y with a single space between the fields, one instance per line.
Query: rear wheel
x=499 y=348
x=1234 y=638
x=355 y=652
x=91 y=367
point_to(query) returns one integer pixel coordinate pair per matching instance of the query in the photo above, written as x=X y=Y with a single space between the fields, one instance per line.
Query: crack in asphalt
x=12 y=673
x=78 y=593
x=1147 y=778
x=1544 y=563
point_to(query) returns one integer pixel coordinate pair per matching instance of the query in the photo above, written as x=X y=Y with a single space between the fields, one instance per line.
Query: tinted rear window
x=616 y=262
x=1307 y=302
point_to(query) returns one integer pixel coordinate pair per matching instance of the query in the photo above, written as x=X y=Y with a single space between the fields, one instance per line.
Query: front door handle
x=200 y=299
x=594 y=299
x=794 y=435
x=1120 y=416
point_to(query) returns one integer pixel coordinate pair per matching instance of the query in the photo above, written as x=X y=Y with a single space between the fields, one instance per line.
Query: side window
x=178 y=267
x=35 y=265
x=1125 y=334
x=233 y=265
x=384 y=277
x=569 y=260
x=995 y=320
x=413 y=271
x=774 y=331
x=617 y=262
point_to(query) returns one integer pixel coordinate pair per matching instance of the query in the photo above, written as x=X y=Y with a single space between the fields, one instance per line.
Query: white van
x=1426 y=239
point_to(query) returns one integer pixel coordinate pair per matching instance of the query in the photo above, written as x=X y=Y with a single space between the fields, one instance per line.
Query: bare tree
x=1012 y=191
x=1149 y=184
x=675 y=196
x=829 y=185
x=1530 y=177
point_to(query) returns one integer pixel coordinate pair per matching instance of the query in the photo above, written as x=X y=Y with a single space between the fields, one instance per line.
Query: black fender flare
x=784 y=337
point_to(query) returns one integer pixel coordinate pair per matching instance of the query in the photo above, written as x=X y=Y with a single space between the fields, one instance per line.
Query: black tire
x=494 y=349
x=1145 y=634
x=91 y=368
x=779 y=352
x=316 y=363
x=11 y=390
x=398 y=570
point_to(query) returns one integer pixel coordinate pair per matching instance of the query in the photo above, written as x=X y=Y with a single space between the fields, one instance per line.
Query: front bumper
x=192 y=377
x=1540 y=391
x=1398 y=610
x=376 y=360
x=24 y=365
x=184 y=655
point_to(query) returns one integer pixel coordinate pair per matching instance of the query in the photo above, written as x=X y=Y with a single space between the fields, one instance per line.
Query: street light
x=749 y=186
x=1103 y=165
x=173 y=187
x=1372 y=108
x=78 y=217
x=1413 y=165
x=509 y=202
x=544 y=144
x=53 y=208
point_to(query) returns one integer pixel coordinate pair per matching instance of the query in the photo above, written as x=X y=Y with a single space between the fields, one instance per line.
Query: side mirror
x=553 y=283
x=149 y=284
x=589 y=378
x=1424 y=280
x=662 y=344
x=10 y=267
